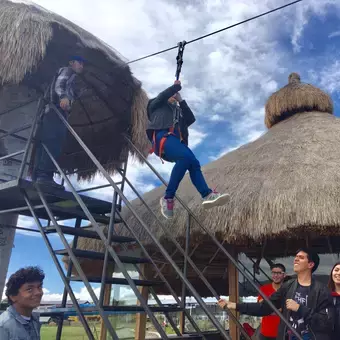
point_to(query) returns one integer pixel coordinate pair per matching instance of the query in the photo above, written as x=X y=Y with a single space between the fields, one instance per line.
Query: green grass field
x=69 y=332
x=76 y=331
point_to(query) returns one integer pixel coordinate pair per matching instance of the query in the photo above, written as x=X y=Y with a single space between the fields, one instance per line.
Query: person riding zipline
x=169 y=118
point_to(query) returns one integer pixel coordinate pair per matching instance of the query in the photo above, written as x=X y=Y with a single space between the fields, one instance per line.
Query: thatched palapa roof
x=34 y=44
x=284 y=187
x=283 y=184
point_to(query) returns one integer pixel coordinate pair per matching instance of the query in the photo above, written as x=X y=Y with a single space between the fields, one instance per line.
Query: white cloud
x=81 y=294
x=329 y=76
x=334 y=34
x=216 y=118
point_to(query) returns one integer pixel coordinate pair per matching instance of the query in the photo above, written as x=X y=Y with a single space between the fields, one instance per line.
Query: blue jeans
x=52 y=133
x=177 y=152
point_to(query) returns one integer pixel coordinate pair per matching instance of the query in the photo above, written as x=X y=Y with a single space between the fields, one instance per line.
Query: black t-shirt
x=300 y=297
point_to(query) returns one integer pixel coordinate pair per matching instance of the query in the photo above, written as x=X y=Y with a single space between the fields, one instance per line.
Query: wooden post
x=182 y=322
x=185 y=272
x=106 y=301
x=140 y=330
x=233 y=294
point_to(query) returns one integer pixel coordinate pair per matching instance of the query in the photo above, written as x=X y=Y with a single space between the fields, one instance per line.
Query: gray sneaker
x=167 y=207
x=215 y=199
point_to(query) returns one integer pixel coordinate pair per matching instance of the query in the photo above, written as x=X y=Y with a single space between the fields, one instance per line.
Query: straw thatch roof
x=284 y=184
x=34 y=44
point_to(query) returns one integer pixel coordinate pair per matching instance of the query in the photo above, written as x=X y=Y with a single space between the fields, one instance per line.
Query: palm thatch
x=34 y=44
x=284 y=183
x=296 y=97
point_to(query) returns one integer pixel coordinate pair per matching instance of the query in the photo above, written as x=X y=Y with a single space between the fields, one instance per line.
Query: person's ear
x=13 y=298
x=311 y=265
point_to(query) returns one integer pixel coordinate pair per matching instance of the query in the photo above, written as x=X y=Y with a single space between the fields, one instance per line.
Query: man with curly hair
x=24 y=292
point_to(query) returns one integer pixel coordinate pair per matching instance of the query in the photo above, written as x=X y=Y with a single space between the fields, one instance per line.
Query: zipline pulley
x=179 y=58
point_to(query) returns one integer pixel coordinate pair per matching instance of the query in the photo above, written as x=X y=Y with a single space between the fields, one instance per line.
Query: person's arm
x=61 y=87
x=187 y=113
x=320 y=318
x=163 y=97
x=262 y=308
x=61 y=82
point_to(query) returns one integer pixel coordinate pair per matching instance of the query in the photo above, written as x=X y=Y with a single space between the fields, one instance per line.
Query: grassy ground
x=76 y=331
x=69 y=333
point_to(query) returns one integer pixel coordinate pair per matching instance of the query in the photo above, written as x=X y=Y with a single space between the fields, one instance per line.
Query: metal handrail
x=17 y=153
x=159 y=272
x=128 y=204
x=75 y=262
x=59 y=268
x=100 y=233
x=218 y=244
x=188 y=258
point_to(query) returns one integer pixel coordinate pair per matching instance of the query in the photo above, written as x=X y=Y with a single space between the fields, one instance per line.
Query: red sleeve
x=264 y=290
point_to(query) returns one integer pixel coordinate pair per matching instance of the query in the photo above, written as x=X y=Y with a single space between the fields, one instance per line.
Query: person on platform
x=334 y=287
x=305 y=302
x=24 y=292
x=52 y=130
x=270 y=324
x=169 y=118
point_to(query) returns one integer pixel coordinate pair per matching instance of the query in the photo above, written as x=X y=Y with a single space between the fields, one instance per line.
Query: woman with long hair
x=334 y=286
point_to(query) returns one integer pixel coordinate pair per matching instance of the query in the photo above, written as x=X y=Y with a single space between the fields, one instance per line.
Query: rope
x=215 y=32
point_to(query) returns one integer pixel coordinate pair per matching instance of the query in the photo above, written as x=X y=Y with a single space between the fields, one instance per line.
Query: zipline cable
x=215 y=32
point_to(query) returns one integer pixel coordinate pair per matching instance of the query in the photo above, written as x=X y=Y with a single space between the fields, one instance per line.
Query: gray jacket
x=162 y=115
x=14 y=326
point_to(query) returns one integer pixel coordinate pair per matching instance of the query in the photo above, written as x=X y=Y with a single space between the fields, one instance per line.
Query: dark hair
x=312 y=256
x=20 y=277
x=331 y=284
x=278 y=265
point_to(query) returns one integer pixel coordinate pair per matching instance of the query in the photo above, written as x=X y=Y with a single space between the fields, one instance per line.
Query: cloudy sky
x=226 y=77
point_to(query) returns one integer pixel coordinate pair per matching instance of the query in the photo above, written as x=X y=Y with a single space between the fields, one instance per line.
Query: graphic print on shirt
x=297 y=322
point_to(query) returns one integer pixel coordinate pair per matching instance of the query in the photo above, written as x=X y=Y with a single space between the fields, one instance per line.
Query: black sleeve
x=321 y=317
x=164 y=96
x=188 y=115
x=262 y=308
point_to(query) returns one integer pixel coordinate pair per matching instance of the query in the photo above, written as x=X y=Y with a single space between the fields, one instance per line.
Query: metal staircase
x=40 y=202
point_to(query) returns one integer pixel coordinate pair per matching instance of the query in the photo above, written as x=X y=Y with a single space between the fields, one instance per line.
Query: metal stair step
x=64 y=213
x=118 y=281
x=82 y=232
x=100 y=256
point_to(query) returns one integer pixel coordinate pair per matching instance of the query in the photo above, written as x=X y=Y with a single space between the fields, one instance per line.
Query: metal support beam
x=60 y=270
x=185 y=271
x=76 y=262
x=68 y=275
x=178 y=271
x=160 y=274
x=99 y=230
x=218 y=244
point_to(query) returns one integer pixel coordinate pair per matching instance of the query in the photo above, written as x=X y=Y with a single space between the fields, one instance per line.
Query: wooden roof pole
x=140 y=330
x=106 y=302
x=233 y=293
